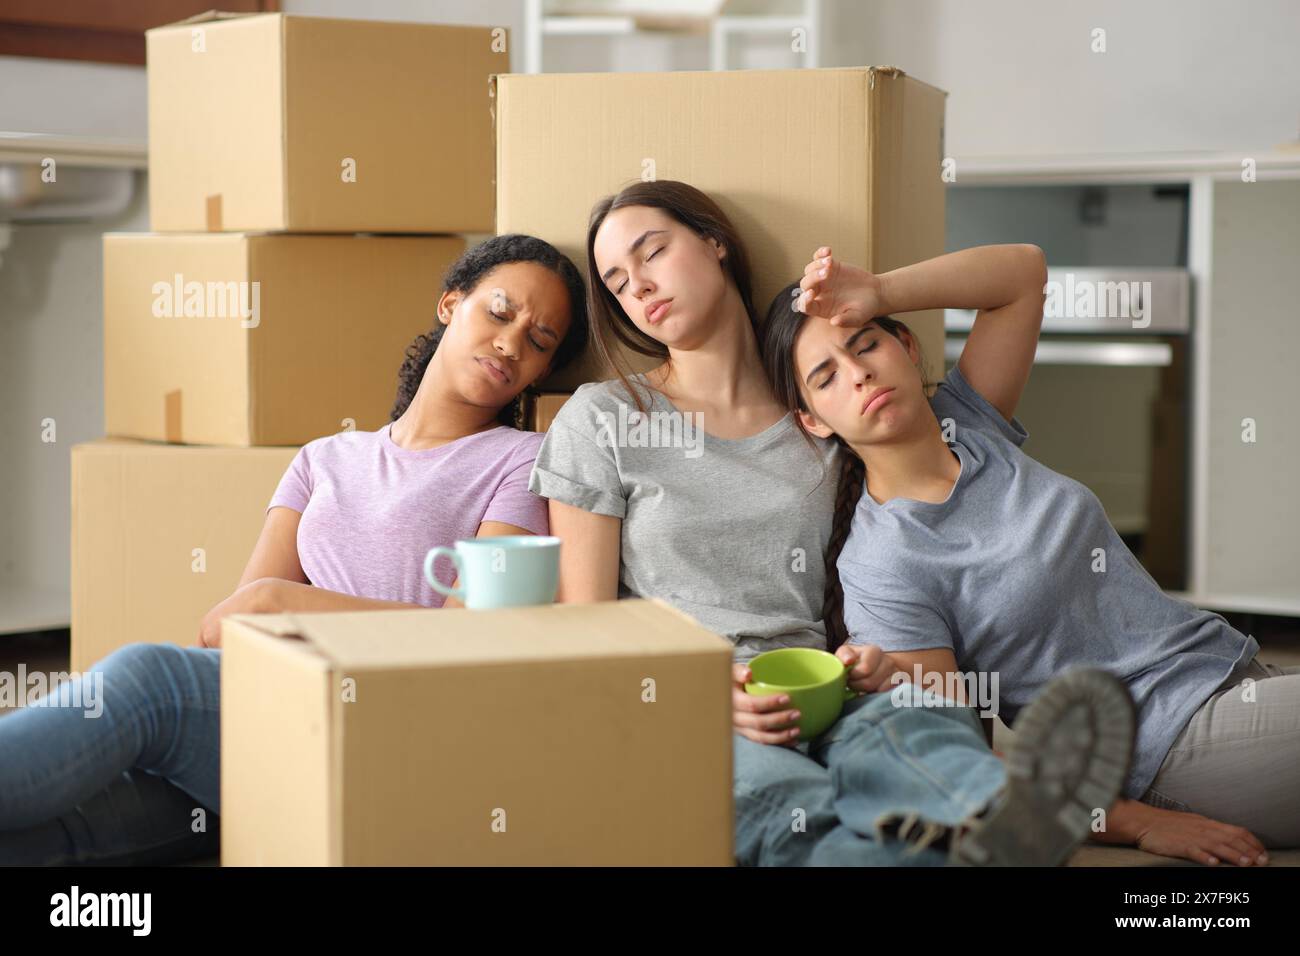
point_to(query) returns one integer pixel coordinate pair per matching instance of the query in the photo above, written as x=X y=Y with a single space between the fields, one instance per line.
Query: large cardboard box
x=594 y=734
x=307 y=124
x=255 y=339
x=160 y=534
x=850 y=158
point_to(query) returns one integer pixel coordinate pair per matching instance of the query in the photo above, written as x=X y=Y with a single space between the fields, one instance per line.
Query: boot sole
x=1072 y=750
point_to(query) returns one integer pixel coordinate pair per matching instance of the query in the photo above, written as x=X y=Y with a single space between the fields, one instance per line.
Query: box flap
x=398 y=639
x=895 y=72
x=208 y=16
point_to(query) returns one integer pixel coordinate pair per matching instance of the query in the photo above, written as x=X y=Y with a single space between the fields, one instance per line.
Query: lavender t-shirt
x=371 y=509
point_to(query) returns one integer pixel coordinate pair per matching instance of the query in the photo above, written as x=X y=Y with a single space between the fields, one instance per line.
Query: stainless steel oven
x=1107 y=401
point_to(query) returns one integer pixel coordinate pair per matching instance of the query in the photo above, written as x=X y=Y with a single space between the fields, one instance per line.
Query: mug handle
x=444 y=590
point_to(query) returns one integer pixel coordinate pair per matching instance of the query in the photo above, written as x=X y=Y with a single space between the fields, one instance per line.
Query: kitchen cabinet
x=1243 y=461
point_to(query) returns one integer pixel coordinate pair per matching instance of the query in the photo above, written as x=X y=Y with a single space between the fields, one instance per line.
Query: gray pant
x=1238 y=758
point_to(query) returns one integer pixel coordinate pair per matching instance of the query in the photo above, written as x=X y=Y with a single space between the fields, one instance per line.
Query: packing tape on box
x=213 y=213
x=172 y=416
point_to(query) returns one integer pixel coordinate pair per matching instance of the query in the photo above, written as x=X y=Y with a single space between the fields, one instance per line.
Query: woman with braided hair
x=959 y=553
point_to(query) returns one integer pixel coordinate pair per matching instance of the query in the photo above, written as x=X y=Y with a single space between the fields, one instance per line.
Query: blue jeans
x=138 y=783
x=879 y=787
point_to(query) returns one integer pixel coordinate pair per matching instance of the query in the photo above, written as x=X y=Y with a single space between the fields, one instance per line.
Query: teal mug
x=815 y=681
x=509 y=571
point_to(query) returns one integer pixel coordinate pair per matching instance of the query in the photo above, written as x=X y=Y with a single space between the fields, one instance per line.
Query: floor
x=1279 y=640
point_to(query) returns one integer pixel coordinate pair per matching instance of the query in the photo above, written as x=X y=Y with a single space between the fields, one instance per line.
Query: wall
x=1177 y=74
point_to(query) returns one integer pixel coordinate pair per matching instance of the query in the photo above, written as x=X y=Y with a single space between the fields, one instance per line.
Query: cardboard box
x=543 y=409
x=295 y=336
x=594 y=734
x=160 y=534
x=798 y=159
x=253 y=120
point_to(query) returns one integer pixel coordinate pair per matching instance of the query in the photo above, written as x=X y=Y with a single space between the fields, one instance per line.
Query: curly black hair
x=463 y=276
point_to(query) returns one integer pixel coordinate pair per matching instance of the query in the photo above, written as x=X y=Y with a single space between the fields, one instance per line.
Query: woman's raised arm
x=1004 y=283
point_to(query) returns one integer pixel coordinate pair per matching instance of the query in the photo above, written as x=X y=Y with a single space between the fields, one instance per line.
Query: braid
x=847 y=494
x=776 y=349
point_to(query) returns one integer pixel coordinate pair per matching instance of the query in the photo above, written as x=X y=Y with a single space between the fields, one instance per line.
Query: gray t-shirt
x=732 y=532
x=1006 y=572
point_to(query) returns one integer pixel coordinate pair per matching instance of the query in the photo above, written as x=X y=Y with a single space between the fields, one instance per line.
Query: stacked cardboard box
x=267 y=122
x=246 y=339
x=850 y=158
x=160 y=534
x=262 y=313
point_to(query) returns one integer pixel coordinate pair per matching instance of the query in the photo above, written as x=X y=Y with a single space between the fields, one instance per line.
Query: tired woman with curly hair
x=347 y=529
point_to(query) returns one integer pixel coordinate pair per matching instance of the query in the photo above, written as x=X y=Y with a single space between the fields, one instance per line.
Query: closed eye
x=619 y=290
x=531 y=341
x=861 y=351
